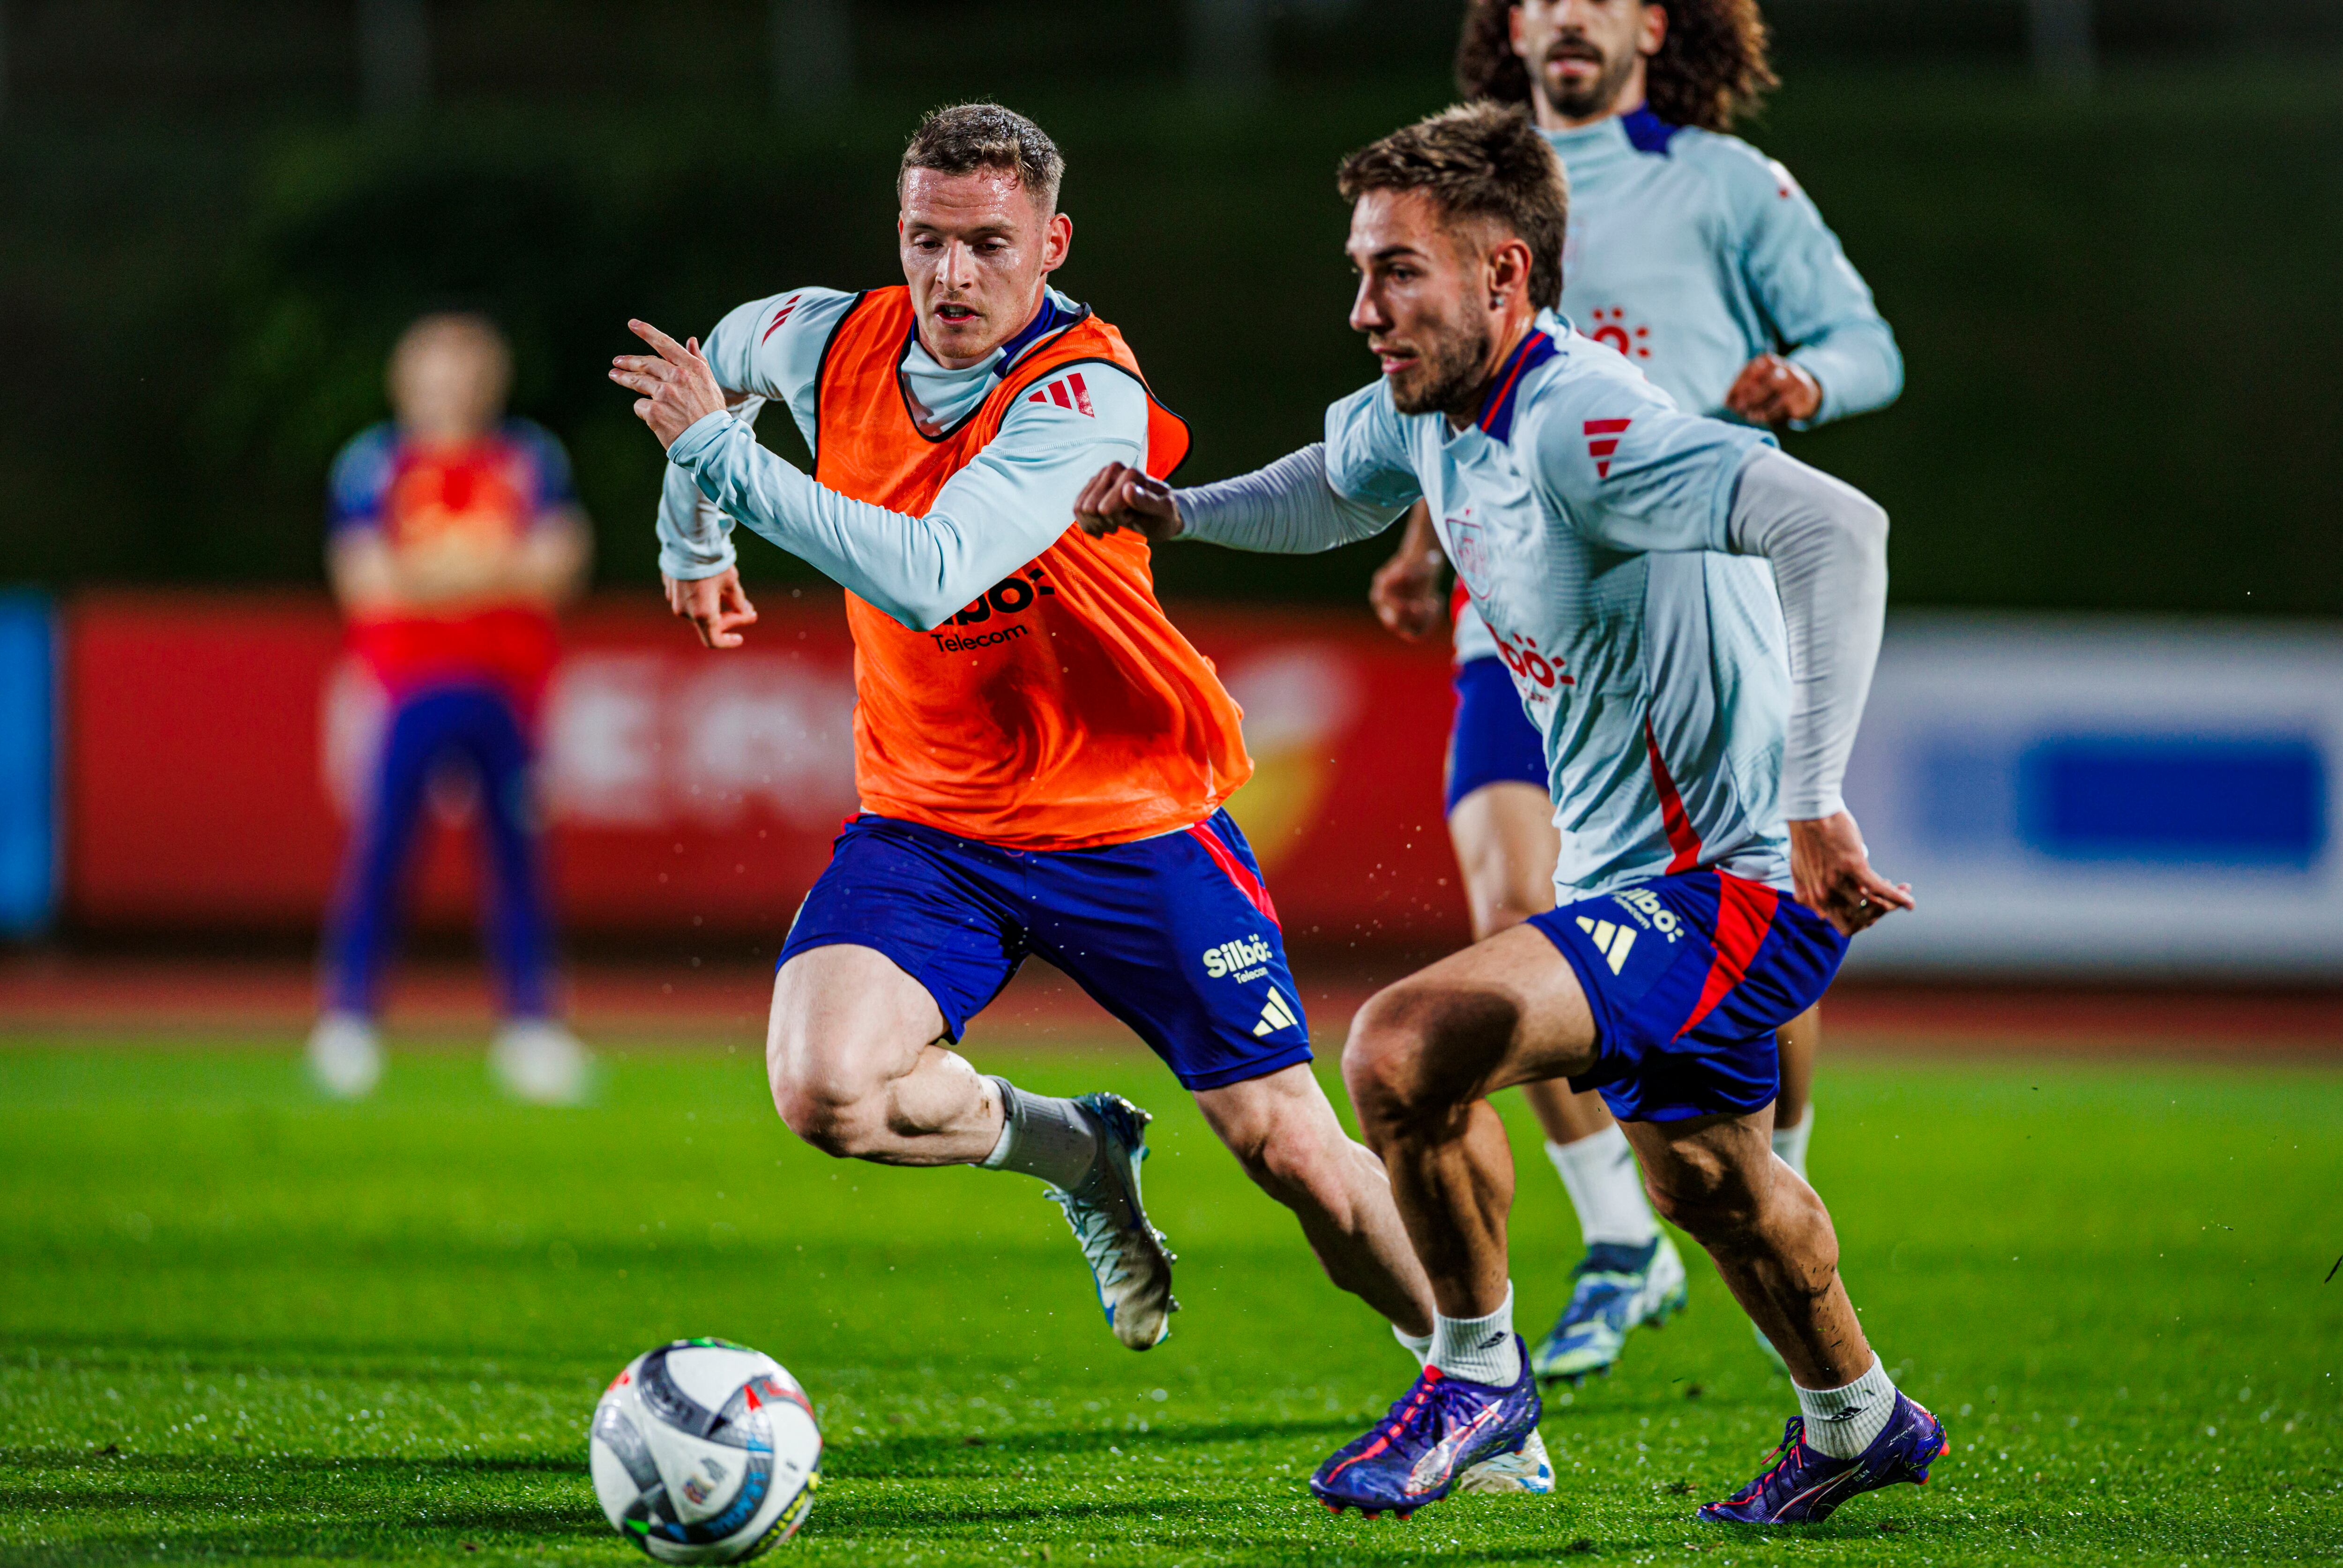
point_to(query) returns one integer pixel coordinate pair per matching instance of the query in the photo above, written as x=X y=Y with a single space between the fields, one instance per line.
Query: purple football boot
x=1802 y=1486
x=1417 y=1454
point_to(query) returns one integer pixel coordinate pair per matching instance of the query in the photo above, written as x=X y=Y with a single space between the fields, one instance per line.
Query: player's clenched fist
x=1120 y=497
x=678 y=388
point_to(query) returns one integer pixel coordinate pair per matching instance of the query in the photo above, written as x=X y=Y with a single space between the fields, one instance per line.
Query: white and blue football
x=705 y=1451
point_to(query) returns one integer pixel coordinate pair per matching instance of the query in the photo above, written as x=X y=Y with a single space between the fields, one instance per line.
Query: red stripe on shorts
x=1681 y=839
x=1251 y=886
x=1744 y=914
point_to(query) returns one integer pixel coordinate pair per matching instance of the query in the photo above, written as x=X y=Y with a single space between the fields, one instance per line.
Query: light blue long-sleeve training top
x=1624 y=556
x=995 y=515
x=1692 y=253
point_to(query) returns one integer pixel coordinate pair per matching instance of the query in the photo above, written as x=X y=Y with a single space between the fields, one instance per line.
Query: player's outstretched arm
x=1287 y=508
x=1827 y=542
x=992 y=518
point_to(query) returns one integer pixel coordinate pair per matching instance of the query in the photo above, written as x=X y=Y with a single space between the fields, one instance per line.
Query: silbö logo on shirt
x=1011 y=596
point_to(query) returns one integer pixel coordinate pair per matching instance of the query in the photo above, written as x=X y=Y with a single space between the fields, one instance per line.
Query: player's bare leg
x=1769 y=1234
x=1422 y=1059
x=1284 y=1132
x=1629 y=1274
x=859 y=1068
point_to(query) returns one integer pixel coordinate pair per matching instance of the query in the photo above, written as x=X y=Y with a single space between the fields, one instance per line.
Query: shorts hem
x=1222 y=1078
x=955 y=1024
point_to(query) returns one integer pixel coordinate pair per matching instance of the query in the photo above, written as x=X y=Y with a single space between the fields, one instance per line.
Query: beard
x=1446 y=377
x=1595 y=98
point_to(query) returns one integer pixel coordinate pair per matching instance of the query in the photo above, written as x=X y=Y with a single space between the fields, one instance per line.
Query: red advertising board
x=213 y=743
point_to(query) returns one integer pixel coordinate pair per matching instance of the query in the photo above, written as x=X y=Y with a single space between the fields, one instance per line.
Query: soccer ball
x=705 y=1451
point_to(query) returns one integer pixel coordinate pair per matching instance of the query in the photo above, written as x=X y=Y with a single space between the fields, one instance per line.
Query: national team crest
x=1468 y=551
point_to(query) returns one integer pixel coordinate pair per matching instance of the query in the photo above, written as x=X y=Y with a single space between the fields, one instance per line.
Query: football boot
x=1128 y=1262
x=1619 y=1288
x=1421 y=1450
x=1802 y=1486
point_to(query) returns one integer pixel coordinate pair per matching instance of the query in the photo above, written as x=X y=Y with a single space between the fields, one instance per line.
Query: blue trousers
x=476 y=730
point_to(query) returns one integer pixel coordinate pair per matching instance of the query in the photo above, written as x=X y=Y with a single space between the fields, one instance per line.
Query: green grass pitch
x=235 y=1321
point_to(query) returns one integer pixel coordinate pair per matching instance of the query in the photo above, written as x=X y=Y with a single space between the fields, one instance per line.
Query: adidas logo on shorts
x=1276 y=1015
x=1612 y=941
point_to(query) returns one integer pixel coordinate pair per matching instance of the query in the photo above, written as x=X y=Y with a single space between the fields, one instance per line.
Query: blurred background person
x=454 y=535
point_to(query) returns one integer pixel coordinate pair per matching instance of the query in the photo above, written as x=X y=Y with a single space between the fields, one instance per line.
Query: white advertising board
x=2073 y=796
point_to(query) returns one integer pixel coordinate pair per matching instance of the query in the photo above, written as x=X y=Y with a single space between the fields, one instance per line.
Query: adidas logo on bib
x=1276 y=1015
x=1612 y=941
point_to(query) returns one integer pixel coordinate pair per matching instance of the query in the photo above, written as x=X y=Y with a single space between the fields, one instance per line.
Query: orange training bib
x=1062 y=710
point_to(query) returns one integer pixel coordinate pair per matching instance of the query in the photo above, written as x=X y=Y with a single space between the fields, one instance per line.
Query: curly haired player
x=1701 y=262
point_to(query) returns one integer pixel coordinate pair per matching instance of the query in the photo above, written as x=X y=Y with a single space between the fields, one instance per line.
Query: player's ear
x=1509 y=266
x=1057 y=242
x=1654 y=31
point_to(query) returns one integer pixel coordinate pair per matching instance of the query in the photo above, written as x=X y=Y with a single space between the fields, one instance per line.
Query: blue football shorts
x=1688 y=977
x=1175 y=935
x=1492 y=740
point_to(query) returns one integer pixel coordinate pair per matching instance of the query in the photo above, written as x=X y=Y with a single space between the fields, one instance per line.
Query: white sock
x=1842 y=1422
x=1605 y=1188
x=1479 y=1350
x=1418 y=1345
x=1045 y=1137
x=1790 y=1142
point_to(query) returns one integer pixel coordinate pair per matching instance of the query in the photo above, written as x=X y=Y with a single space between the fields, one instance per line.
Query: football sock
x=1842 y=1422
x=1418 y=1345
x=1479 y=1350
x=1043 y=1136
x=1605 y=1188
x=1790 y=1142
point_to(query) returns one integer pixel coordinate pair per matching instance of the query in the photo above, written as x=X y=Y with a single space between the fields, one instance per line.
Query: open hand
x=678 y=388
x=1772 y=390
x=715 y=607
x=1831 y=872
x=1121 y=496
x=1405 y=591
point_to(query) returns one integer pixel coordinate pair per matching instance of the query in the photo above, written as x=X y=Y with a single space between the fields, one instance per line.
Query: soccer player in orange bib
x=1041 y=756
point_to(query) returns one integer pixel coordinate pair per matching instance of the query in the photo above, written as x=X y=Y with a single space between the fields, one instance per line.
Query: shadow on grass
x=931 y=1456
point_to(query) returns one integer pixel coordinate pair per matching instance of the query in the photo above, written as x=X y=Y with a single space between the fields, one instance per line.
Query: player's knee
x=834 y=1111
x=1381 y=1059
x=1291 y=1162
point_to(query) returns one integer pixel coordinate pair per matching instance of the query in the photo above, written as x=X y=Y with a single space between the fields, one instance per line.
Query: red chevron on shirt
x=1602 y=440
x=1067 y=392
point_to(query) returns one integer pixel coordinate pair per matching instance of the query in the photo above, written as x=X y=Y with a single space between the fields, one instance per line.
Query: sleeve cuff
x=699 y=437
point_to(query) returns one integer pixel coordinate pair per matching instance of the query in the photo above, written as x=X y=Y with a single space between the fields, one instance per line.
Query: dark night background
x=2115 y=300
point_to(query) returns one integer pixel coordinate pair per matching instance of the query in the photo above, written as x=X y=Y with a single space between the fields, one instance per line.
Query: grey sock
x=1043 y=1136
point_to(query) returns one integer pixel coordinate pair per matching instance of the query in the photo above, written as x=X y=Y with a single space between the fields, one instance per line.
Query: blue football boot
x=1419 y=1452
x=1802 y=1486
x=1619 y=1288
x=1126 y=1254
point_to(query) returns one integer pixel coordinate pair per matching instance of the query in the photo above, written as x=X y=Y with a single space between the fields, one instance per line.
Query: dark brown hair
x=1477 y=160
x=1710 y=69
x=966 y=137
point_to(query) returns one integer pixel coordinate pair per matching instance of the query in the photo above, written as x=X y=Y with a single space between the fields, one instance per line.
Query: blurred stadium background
x=2104 y=233
x=2104 y=746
